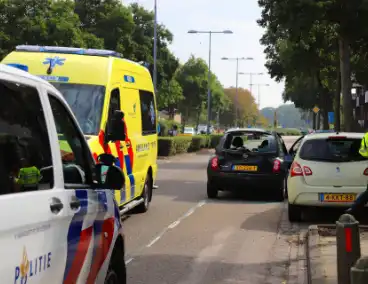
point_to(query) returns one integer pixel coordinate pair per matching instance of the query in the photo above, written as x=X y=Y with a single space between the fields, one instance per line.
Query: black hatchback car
x=249 y=159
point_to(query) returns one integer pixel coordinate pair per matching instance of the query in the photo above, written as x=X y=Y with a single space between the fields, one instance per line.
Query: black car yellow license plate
x=337 y=197
x=244 y=168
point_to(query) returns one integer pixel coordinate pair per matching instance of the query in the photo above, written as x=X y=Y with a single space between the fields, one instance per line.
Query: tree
x=171 y=94
x=307 y=62
x=41 y=22
x=242 y=103
x=192 y=77
x=141 y=49
x=300 y=19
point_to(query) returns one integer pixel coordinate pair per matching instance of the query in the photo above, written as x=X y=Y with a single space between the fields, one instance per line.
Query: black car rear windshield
x=253 y=141
x=331 y=150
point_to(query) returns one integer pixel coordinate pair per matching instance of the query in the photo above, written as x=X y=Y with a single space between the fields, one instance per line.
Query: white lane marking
x=205 y=257
x=129 y=260
x=171 y=226
x=154 y=241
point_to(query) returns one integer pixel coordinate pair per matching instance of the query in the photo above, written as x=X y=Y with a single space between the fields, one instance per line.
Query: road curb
x=312 y=253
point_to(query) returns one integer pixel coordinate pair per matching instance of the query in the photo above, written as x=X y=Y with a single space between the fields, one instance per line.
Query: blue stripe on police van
x=75 y=229
x=130 y=175
x=129 y=79
x=122 y=190
x=122 y=194
x=98 y=223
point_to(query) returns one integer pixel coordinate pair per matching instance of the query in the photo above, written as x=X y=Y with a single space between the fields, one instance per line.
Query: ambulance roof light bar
x=68 y=50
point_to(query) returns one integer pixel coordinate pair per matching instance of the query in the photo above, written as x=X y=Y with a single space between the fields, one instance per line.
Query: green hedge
x=169 y=146
x=289 y=131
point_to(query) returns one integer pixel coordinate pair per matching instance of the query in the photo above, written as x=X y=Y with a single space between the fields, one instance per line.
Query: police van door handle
x=75 y=204
x=56 y=205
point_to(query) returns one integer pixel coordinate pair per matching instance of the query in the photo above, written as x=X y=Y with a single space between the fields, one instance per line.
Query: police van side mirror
x=116 y=128
x=108 y=176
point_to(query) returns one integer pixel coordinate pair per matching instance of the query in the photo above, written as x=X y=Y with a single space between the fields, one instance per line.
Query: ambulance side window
x=25 y=153
x=148 y=111
x=77 y=164
x=114 y=102
x=114 y=105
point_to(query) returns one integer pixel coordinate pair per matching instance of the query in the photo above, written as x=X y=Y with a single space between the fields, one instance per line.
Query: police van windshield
x=86 y=102
x=331 y=150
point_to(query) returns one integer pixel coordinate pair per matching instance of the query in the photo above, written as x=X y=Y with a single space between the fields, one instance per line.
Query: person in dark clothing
x=362 y=200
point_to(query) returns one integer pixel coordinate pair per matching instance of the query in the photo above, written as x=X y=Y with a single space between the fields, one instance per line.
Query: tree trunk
x=197 y=120
x=344 y=53
x=337 y=100
x=325 y=124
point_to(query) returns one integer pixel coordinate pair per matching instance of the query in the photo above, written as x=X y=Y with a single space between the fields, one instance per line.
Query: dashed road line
x=169 y=227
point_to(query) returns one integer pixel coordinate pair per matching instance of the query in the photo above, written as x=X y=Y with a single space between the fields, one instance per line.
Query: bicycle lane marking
x=166 y=229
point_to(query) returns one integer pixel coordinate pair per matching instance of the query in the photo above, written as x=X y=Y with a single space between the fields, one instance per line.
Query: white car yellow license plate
x=337 y=197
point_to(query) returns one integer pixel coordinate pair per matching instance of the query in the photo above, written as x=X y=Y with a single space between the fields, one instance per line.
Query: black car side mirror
x=108 y=176
x=116 y=127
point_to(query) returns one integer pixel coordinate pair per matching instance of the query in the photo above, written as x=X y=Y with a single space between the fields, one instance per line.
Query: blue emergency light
x=68 y=50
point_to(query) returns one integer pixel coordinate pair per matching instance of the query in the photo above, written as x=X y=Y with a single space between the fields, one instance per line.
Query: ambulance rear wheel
x=147 y=190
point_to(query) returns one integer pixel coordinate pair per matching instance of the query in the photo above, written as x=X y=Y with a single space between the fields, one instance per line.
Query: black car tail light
x=215 y=163
x=276 y=166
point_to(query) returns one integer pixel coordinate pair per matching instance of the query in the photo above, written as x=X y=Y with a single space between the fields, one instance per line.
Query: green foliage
x=287 y=115
x=169 y=146
x=108 y=24
x=309 y=43
x=288 y=131
x=166 y=125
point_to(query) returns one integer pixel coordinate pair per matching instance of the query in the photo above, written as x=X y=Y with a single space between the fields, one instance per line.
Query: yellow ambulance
x=98 y=85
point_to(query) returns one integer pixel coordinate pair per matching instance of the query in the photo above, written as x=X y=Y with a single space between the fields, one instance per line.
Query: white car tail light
x=297 y=170
x=365 y=172
x=307 y=171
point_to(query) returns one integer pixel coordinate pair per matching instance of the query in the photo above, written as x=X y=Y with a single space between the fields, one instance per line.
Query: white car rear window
x=331 y=150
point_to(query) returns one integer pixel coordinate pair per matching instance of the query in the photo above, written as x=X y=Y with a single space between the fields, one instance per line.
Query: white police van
x=66 y=228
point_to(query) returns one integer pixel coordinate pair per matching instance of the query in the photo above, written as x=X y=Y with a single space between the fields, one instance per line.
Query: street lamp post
x=237 y=82
x=155 y=49
x=259 y=93
x=251 y=78
x=209 y=69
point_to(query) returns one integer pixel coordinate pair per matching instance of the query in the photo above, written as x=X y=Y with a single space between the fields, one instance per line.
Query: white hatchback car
x=327 y=170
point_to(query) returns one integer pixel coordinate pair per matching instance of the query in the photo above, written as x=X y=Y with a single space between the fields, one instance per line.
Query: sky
x=239 y=16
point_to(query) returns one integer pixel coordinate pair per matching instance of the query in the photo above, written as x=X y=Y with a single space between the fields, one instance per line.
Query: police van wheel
x=116 y=273
x=147 y=190
x=111 y=277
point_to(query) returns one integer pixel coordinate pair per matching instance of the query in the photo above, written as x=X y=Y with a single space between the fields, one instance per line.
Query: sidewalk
x=322 y=259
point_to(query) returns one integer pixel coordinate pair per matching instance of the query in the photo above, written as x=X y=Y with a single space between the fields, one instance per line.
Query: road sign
x=331 y=117
x=315 y=109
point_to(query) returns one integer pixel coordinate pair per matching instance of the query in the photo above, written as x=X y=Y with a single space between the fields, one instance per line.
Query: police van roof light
x=68 y=50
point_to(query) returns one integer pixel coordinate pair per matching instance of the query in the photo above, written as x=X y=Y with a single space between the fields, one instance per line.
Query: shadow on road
x=175 y=269
x=195 y=191
x=328 y=216
x=177 y=165
x=264 y=221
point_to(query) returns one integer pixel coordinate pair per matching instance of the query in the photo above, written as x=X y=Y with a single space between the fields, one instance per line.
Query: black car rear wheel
x=279 y=192
x=294 y=213
x=212 y=191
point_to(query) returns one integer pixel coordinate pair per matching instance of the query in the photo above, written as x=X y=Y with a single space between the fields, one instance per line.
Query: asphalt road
x=186 y=239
